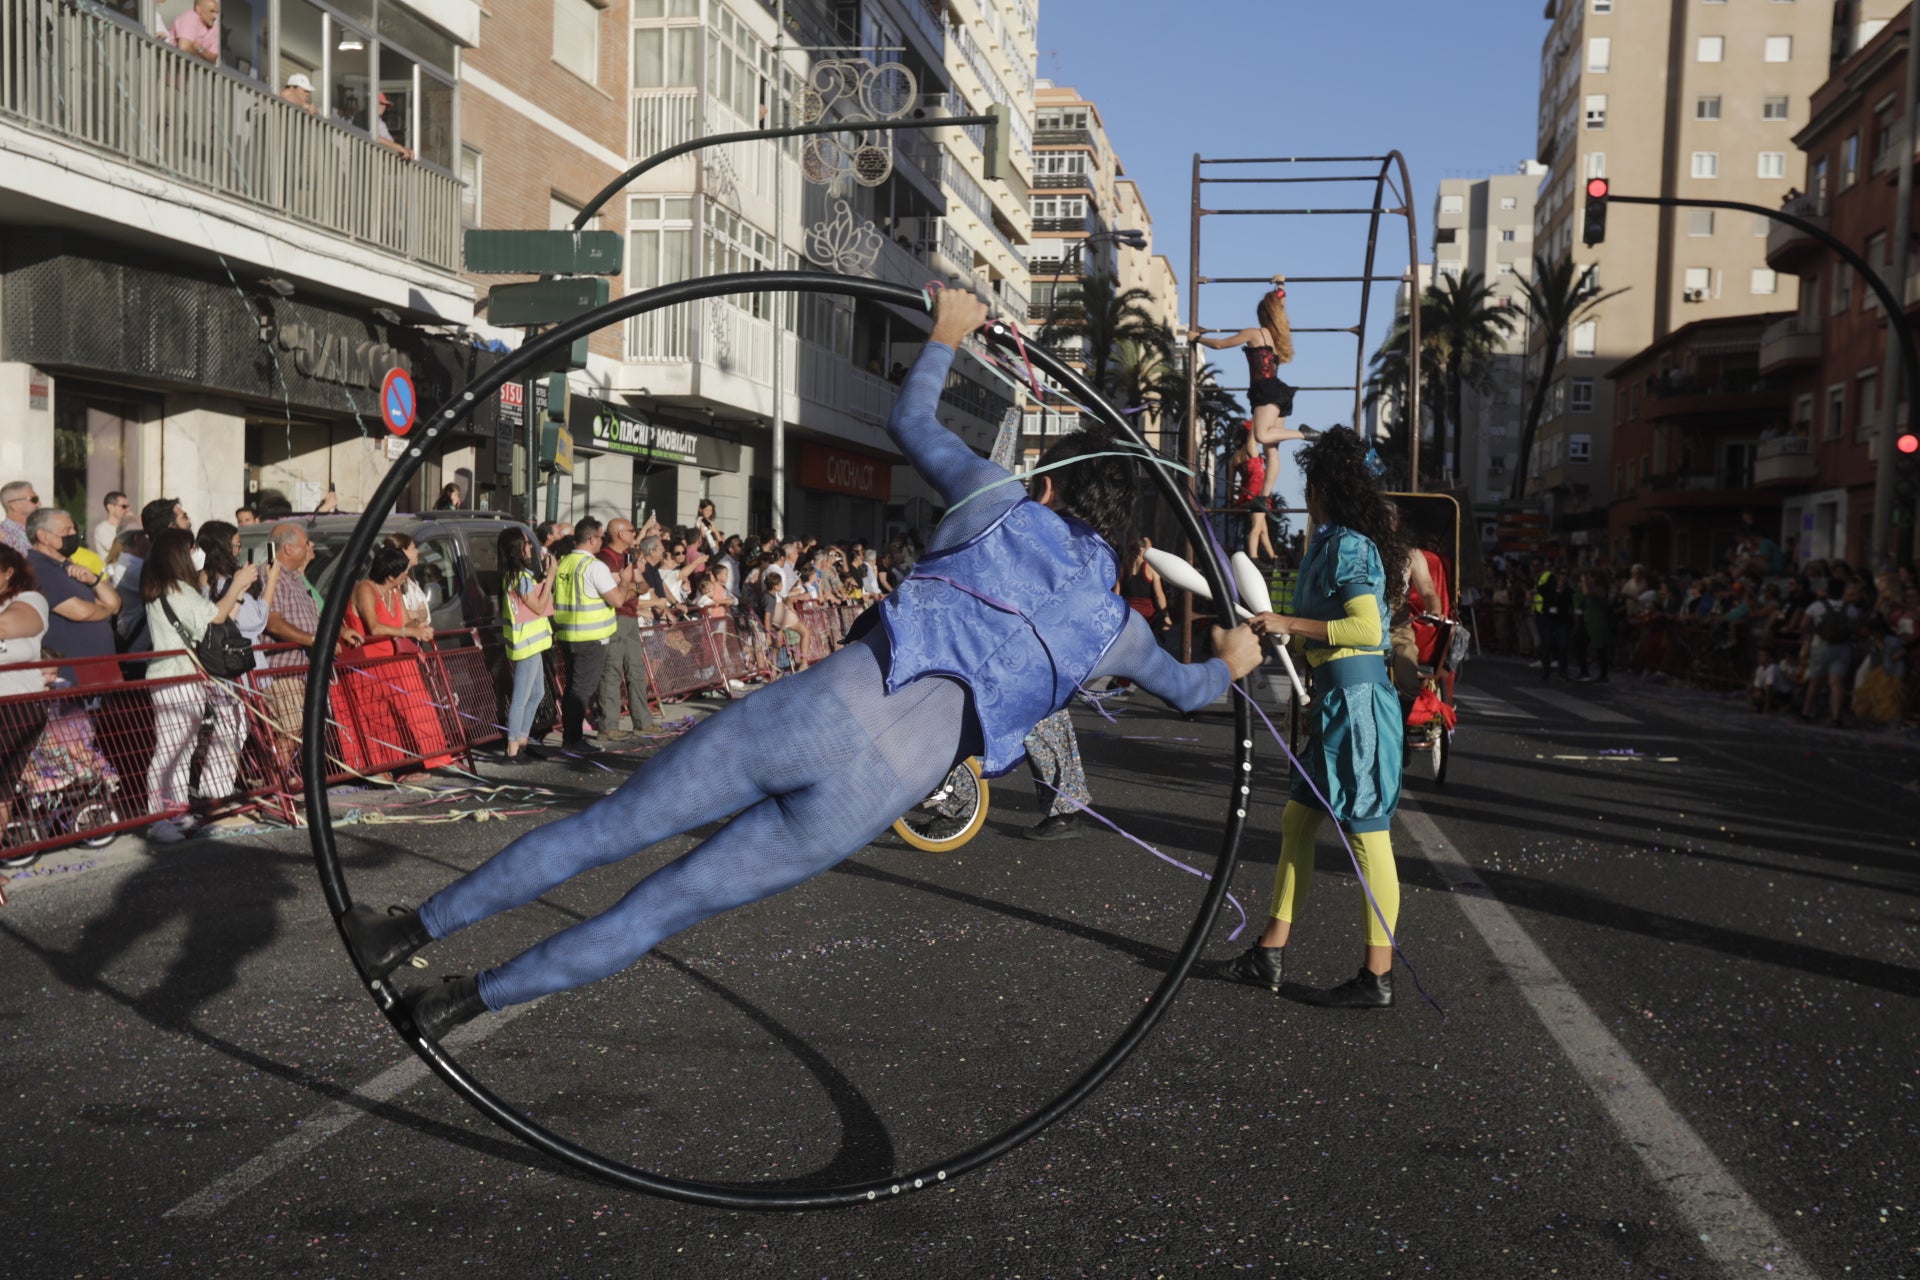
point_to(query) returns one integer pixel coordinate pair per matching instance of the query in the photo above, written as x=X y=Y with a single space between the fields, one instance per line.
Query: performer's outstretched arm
x=935 y=452
x=1188 y=686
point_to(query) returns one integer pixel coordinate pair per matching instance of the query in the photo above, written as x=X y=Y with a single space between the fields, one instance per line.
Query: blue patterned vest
x=1021 y=614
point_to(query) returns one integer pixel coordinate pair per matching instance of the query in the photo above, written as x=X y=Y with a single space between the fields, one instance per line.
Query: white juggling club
x=1187 y=578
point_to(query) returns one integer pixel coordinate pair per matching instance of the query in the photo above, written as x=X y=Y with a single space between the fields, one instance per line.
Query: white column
x=196 y=453
x=26 y=445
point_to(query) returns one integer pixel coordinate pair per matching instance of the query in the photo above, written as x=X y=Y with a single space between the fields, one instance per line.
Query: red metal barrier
x=474 y=694
x=818 y=638
x=681 y=659
x=80 y=763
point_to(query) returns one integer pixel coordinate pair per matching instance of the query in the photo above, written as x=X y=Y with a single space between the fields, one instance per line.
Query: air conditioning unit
x=1694 y=295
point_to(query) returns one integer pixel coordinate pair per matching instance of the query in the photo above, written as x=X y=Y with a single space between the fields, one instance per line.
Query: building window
x=1849 y=161
x=1603 y=6
x=1773 y=108
x=1842 y=288
x=1506 y=269
x=1059 y=208
x=560 y=212
x=1762 y=224
x=576 y=38
x=1699 y=222
x=1596 y=164
x=1868 y=397
x=1803 y=416
x=1706 y=164
x=1583 y=395
x=1773 y=164
x=1586 y=336
x=1599 y=54
x=666 y=57
x=1698 y=283
x=1707 y=108
x=1061 y=118
x=1579 y=448
x=666 y=8
x=1765 y=282
x=1508 y=235
x=1596 y=111
x=1453 y=204
x=1509 y=203
x=469 y=186
x=1779 y=48
x=1712 y=48
x=1836 y=423
x=1446 y=235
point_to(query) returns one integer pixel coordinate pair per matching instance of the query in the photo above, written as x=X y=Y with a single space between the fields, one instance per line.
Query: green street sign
x=545 y=253
x=545 y=301
x=574 y=357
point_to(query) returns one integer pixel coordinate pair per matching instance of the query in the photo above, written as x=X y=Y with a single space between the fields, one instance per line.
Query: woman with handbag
x=180 y=617
x=527 y=610
x=393 y=701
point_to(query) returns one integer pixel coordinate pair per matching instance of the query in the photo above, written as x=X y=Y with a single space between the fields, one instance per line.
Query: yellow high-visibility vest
x=524 y=639
x=579 y=618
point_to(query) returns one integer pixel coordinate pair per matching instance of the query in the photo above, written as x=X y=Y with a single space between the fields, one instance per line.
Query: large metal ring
x=430 y=434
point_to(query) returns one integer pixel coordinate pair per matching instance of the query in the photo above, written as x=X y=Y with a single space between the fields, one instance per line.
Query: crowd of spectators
x=1816 y=638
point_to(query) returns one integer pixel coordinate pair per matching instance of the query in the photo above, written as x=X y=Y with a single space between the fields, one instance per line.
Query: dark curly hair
x=1342 y=487
x=1099 y=492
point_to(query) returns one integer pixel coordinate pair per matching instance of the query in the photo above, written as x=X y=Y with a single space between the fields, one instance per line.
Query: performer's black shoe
x=1258 y=967
x=1365 y=990
x=381 y=942
x=1057 y=826
x=438 y=1010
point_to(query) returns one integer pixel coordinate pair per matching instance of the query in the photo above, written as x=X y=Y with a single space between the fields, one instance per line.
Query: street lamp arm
x=658 y=158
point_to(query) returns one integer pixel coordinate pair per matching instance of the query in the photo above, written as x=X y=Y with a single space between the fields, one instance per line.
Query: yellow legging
x=1299 y=824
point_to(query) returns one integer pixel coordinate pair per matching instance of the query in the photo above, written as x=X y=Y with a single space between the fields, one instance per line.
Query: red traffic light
x=1596 y=188
x=1907 y=442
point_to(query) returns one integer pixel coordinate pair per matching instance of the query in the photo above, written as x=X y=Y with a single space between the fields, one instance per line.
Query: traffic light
x=999 y=147
x=1906 y=463
x=1596 y=224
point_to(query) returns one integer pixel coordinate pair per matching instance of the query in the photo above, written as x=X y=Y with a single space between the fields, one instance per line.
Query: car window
x=483 y=561
x=438 y=572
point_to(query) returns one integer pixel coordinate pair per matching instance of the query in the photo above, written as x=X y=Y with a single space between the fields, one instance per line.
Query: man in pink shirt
x=197 y=31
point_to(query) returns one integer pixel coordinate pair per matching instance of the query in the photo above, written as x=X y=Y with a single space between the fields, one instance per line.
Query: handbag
x=221 y=650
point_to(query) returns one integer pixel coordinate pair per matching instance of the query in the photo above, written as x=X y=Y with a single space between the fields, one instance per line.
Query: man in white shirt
x=118 y=509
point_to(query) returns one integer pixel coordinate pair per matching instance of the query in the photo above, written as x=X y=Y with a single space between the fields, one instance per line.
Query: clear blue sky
x=1452 y=84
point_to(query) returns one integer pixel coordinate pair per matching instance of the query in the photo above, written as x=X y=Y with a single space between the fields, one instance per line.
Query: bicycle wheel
x=950 y=816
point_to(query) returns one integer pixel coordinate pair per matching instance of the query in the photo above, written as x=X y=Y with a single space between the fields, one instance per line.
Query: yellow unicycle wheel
x=950 y=816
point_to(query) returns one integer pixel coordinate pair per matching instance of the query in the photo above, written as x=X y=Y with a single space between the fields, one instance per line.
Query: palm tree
x=1558 y=298
x=1387 y=382
x=1465 y=325
x=1102 y=316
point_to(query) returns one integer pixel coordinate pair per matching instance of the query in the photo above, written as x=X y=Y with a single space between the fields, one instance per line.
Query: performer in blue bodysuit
x=1011 y=610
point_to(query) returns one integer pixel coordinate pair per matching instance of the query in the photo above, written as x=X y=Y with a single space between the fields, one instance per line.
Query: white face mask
x=199 y=559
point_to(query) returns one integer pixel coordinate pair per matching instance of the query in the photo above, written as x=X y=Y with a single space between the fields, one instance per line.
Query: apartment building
x=1685 y=98
x=708 y=371
x=201 y=278
x=1484 y=227
x=1814 y=465
x=1081 y=198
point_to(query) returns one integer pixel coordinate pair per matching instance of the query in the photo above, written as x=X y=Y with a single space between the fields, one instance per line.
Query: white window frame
x=1834 y=424
x=1706 y=165
x=1778 y=49
x=1772 y=164
x=576 y=20
x=1698 y=280
x=1707 y=106
x=1603 y=6
x=1765 y=282
x=1580 y=395
x=1784 y=103
x=470 y=192
x=1596 y=164
x=1596 y=111
x=1599 y=55
x=1585 y=339
x=1509 y=203
x=1580 y=447
x=1453 y=204
x=1710 y=49
x=1700 y=222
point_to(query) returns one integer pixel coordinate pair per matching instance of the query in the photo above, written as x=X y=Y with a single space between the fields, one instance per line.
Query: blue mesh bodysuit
x=813 y=767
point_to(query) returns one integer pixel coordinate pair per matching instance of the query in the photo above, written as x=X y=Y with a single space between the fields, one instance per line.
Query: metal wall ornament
x=843 y=243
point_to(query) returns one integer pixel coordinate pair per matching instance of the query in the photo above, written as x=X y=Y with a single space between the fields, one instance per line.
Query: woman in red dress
x=389 y=702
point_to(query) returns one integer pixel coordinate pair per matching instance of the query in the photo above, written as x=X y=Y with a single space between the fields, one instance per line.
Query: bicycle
x=952 y=815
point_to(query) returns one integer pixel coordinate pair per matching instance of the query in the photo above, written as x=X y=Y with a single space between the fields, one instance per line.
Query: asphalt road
x=1675 y=946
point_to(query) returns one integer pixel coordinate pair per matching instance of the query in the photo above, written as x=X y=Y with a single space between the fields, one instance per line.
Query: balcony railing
x=87 y=80
x=1060 y=224
x=1790 y=340
x=1063 y=180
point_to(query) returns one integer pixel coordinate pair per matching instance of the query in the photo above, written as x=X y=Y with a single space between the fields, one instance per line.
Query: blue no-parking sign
x=397 y=401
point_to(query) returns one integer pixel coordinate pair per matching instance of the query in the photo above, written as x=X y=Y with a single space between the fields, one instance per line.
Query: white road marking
x=1732 y=1228
x=1485 y=704
x=1589 y=711
x=327 y=1122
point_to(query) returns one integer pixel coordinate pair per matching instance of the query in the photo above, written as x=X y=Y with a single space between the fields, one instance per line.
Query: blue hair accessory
x=1375 y=467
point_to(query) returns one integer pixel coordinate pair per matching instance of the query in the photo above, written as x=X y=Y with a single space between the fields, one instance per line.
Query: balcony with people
x=1790 y=247
x=358 y=142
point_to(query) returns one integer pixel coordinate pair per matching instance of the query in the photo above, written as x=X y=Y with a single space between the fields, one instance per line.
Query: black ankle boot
x=380 y=943
x=438 y=1010
x=1258 y=967
x=1365 y=990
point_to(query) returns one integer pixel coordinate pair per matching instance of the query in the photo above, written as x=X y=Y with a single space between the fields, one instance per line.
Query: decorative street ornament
x=842 y=244
x=885 y=91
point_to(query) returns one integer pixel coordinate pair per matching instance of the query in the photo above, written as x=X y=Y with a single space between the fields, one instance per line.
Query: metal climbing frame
x=1390 y=180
